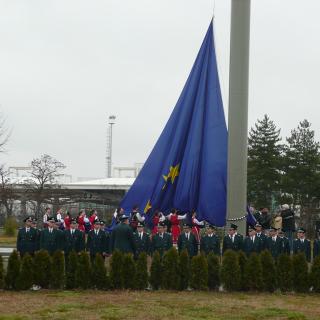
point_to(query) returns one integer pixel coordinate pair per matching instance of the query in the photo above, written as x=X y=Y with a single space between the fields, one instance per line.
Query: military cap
x=301 y=230
x=187 y=225
x=258 y=225
x=233 y=226
x=273 y=229
x=73 y=221
x=140 y=224
x=124 y=217
x=96 y=221
x=161 y=224
x=251 y=228
x=27 y=219
x=211 y=226
x=51 y=219
x=281 y=231
x=102 y=222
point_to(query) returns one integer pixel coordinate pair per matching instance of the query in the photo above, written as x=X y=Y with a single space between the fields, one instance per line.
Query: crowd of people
x=130 y=235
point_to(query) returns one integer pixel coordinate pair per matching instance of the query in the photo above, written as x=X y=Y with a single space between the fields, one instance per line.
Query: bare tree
x=4 y=132
x=7 y=193
x=43 y=179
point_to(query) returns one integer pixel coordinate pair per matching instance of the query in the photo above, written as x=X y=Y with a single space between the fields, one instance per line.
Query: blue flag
x=187 y=167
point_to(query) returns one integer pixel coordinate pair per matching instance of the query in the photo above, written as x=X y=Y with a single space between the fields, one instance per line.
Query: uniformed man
x=188 y=241
x=50 y=237
x=285 y=243
x=161 y=241
x=61 y=239
x=252 y=243
x=142 y=240
x=35 y=227
x=232 y=241
x=122 y=238
x=74 y=239
x=274 y=243
x=97 y=241
x=260 y=234
x=27 y=238
x=316 y=246
x=301 y=244
x=103 y=229
x=210 y=242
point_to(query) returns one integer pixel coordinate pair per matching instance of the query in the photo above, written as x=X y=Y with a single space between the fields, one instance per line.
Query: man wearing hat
x=27 y=238
x=38 y=231
x=316 y=246
x=61 y=239
x=210 y=242
x=301 y=244
x=252 y=243
x=188 y=241
x=142 y=240
x=259 y=233
x=232 y=241
x=74 y=239
x=162 y=241
x=97 y=242
x=50 y=237
x=274 y=243
x=285 y=244
x=122 y=237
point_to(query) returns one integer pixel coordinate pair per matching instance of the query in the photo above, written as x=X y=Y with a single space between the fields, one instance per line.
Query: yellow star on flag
x=148 y=207
x=173 y=173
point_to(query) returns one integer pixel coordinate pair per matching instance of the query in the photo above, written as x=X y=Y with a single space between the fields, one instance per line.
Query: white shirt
x=140 y=217
x=179 y=216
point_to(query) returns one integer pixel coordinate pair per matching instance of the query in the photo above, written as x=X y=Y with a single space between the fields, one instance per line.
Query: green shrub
x=199 y=272
x=230 y=271
x=10 y=227
x=284 y=272
x=13 y=271
x=99 y=273
x=269 y=275
x=26 y=276
x=242 y=258
x=253 y=272
x=156 y=271
x=142 y=271
x=213 y=271
x=116 y=274
x=184 y=270
x=83 y=272
x=129 y=272
x=42 y=268
x=300 y=273
x=1 y=273
x=57 y=270
x=315 y=274
x=71 y=268
x=170 y=269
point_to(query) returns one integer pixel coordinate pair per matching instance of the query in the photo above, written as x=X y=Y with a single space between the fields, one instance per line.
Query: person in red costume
x=67 y=221
x=80 y=220
x=93 y=217
x=175 y=218
x=196 y=224
x=157 y=218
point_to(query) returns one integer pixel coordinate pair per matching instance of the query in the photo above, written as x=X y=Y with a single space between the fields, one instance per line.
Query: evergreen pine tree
x=170 y=269
x=199 y=272
x=184 y=270
x=1 y=273
x=213 y=271
x=57 y=280
x=42 y=268
x=99 y=273
x=156 y=271
x=71 y=268
x=230 y=271
x=300 y=273
x=129 y=272
x=269 y=276
x=83 y=272
x=253 y=273
x=116 y=273
x=26 y=276
x=142 y=271
x=242 y=259
x=315 y=275
x=264 y=162
x=284 y=272
x=13 y=270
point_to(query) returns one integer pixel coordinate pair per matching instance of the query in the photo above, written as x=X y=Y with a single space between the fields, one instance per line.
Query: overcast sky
x=65 y=65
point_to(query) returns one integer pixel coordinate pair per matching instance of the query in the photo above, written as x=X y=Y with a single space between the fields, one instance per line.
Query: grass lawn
x=156 y=305
x=7 y=241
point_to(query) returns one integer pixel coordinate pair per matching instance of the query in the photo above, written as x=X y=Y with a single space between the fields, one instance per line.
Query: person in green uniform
x=188 y=241
x=97 y=241
x=142 y=240
x=274 y=243
x=122 y=237
x=74 y=239
x=232 y=241
x=61 y=235
x=301 y=244
x=252 y=243
x=161 y=241
x=285 y=242
x=316 y=246
x=50 y=238
x=210 y=242
x=260 y=234
x=35 y=227
x=27 y=238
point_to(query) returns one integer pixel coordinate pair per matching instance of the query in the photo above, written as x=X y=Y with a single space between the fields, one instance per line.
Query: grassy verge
x=156 y=305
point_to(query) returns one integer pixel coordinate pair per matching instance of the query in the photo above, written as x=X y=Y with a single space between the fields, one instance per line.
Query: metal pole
x=110 y=163
x=238 y=112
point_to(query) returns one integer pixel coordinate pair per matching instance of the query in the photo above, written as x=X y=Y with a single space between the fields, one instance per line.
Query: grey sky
x=66 y=65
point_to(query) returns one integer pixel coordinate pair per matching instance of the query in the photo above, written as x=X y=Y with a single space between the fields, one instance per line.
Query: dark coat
x=285 y=245
x=316 y=248
x=27 y=242
x=275 y=247
x=97 y=243
x=263 y=239
x=142 y=245
x=250 y=246
x=190 y=244
x=50 y=241
x=122 y=239
x=229 y=245
x=304 y=247
x=74 y=242
x=288 y=223
x=161 y=244
x=210 y=244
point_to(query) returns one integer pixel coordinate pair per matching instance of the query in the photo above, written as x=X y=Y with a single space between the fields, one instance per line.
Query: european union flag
x=187 y=168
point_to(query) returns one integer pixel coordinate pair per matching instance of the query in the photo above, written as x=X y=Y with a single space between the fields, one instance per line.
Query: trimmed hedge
x=156 y=272
x=42 y=268
x=142 y=271
x=171 y=270
x=230 y=271
x=13 y=271
x=184 y=270
x=1 y=273
x=199 y=272
x=26 y=276
x=213 y=271
x=269 y=274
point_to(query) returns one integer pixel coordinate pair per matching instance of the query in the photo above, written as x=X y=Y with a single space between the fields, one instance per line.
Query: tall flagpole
x=238 y=113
